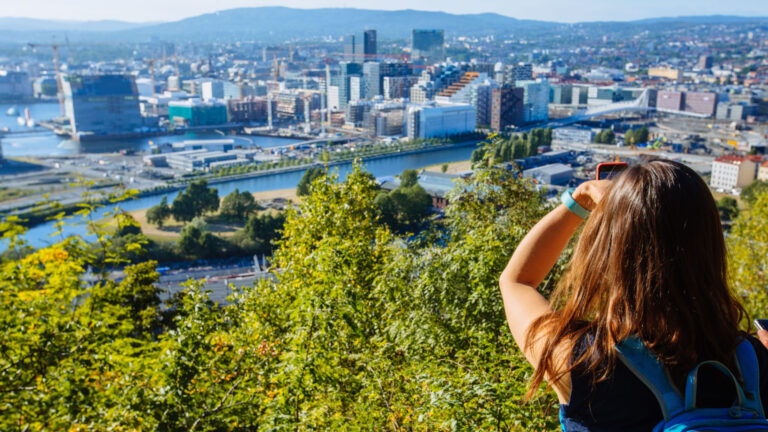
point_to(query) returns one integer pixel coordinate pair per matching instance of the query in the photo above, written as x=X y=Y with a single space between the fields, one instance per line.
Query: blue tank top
x=623 y=403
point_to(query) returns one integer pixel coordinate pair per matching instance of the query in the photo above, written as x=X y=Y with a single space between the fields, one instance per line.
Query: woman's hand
x=589 y=193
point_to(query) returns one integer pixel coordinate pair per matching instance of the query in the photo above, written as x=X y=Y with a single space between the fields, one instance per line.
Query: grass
x=171 y=229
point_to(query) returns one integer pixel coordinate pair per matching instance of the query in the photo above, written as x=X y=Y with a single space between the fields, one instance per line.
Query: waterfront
x=39 y=236
x=40 y=142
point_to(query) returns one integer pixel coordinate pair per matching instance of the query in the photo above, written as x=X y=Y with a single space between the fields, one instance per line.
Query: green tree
x=264 y=229
x=642 y=135
x=196 y=242
x=126 y=225
x=310 y=175
x=196 y=200
x=751 y=191
x=238 y=205
x=408 y=178
x=159 y=213
x=630 y=137
x=728 y=208
x=748 y=254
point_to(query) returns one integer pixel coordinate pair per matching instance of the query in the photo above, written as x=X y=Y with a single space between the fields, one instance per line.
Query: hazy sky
x=554 y=10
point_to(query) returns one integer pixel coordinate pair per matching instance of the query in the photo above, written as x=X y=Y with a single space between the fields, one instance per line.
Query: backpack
x=680 y=411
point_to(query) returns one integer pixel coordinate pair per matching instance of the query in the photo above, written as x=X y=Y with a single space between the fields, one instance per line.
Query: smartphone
x=761 y=324
x=609 y=170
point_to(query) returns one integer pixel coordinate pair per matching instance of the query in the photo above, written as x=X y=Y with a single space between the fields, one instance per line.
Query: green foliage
x=606 y=136
x=751 y=191
x=728 y=208
x=196 y=200
x=238 y=205
x=405 y=208
x=310 y=175
x=126 y=225
x=262 y=230
x=409 y=177
x=159 y=213
x=636 y=136
x=748 y=255
x=360 y=330
x=197 y=242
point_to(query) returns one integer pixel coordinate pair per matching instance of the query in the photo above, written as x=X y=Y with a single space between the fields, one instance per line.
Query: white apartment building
x=439 y=121
x=732 y=171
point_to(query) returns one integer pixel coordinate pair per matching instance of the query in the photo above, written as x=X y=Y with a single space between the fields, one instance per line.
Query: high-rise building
x=350 y=48
x=360 y=48
x=347 y=70
x=514 y=73
x=535 y=100
x=396 y=87
x=356 y=88
x=506 y=107
x=428 y=45
x=369 y=49
x=102 y=104
x=371 y=79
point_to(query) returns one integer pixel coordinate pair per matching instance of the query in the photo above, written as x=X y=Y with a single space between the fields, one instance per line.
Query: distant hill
x=277 y=24
x=286 y=23
x=33 y=24
x=704 y=19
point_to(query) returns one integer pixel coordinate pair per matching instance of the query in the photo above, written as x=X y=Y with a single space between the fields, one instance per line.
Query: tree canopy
x=303 y=188
x=196 y=200
x=361 y=328
x=238 y=205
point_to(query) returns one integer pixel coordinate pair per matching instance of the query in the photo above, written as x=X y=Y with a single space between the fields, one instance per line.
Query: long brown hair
x=650 y=262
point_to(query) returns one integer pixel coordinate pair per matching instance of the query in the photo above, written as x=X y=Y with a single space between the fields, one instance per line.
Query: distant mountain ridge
x=277 y=23
x=34 y=24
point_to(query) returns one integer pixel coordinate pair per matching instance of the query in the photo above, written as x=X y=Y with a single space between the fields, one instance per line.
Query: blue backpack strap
x=746 y=361
x=648 y=369
x=691 y=384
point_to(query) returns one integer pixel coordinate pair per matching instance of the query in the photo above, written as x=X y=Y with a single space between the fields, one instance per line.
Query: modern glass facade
x=102 y=104
x=428 y=44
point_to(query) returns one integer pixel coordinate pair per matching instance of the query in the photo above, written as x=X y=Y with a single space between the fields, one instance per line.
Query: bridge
x=641 y=104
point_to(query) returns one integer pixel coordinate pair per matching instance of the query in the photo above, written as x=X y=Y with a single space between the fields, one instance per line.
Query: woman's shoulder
x=620 y=401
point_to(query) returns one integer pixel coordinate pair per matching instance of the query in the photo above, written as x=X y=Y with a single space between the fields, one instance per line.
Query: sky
x=549 y=10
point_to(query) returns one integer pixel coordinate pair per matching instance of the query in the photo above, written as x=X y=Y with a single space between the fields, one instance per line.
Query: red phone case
x=608 y=164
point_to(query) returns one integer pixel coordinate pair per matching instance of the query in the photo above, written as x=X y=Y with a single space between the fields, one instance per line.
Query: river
x=47 y=144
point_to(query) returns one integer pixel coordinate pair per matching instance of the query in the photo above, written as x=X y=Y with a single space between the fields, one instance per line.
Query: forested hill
x=280 y=24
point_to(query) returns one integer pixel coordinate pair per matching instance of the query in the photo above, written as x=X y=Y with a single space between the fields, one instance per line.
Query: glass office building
x=102 y=104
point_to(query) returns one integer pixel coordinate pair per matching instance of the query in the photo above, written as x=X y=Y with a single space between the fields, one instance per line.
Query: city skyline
x=548 y=10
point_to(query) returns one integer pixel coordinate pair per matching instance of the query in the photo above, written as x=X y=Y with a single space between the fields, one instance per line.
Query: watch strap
x=567 y=199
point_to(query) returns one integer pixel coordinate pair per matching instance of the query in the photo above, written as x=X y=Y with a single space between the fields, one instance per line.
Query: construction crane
x=57 y=65
x=59 y=87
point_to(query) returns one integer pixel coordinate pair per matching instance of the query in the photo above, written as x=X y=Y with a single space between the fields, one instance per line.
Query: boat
x=31 y=123
x=21 y=120
x=12 y=111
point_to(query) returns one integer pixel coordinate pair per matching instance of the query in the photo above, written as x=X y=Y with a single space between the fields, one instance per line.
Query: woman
x=650 y=262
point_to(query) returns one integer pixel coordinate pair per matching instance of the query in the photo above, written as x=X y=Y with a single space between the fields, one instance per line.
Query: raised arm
x=534 y=258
